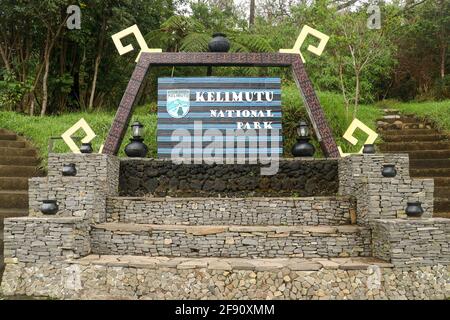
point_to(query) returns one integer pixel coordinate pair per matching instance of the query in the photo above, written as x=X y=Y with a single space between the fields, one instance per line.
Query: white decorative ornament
x=139 y=38
x=348 y=135
x=301 y=38
x=67 y=136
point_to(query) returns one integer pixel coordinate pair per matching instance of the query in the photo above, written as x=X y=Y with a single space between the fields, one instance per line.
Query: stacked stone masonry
x=379 y=197
x=412 y=241
x=83 y=195
x=224 y=242
x=124 y=277
x=230 y=241
x=231 y=211
x=40 y=240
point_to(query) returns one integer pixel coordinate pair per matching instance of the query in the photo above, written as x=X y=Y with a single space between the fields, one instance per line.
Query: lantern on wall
x=303 y=148
x=136 y=148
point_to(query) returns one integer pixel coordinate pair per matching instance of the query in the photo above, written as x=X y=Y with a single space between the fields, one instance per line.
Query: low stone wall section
x=230 y=241
x=122 y=277
x=231 y=211
x=406 y=242
x=43 y=240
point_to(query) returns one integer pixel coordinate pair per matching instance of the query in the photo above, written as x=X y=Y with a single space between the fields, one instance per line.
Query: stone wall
x=122 y=277
x=230 y=241
x=379 y=197
x=155 y=177
x=83 y=195
x=231 y=211
x=406 y=242
x=44 y=240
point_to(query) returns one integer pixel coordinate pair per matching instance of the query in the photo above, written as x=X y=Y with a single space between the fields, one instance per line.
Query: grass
x=38 y=130
x=436 y=112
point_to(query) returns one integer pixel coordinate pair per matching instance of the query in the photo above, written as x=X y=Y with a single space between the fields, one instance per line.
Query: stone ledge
x=225 y=198
x=61 y=220
x=213 y=229
x=227 y=264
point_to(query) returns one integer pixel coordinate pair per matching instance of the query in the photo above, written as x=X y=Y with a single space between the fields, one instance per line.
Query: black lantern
x=86 y=148
x=136 y=148
x=69 y=170
x=389 y=171
x=49 y=207
x=302 y=148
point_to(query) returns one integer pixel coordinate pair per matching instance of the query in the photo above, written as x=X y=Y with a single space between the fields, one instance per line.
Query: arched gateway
x=312 y=104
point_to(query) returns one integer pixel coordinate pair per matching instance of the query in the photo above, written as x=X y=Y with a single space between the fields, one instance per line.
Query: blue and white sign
x=221 y=116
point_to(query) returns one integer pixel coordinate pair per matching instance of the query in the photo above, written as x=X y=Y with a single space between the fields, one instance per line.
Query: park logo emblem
x=178 y=103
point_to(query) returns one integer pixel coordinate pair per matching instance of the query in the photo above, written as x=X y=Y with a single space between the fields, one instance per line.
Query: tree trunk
x=356 y=95
x=443 y=53
x=251 y=20
x=45 y=85
x=97 y=64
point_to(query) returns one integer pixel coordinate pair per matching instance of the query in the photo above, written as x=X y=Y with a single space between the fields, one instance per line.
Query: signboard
x=219 y=117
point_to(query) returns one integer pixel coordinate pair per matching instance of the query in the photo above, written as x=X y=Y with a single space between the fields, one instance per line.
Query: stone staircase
x=428 y=149
x=254 y=228
x=18 y=162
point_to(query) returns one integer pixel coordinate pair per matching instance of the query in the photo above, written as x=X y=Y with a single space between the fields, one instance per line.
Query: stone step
x=417 y=137
x=402 y=118
x=13 y=183
x=231 y=211
x=427 y=154
x=9 y=213
x=430 y=172
x=8 y=136
x=429 y=163
x=441 y=205
x=19 y=161
x=399 y=125
x=443 y=192
x=21 y=152
x=442 y=182
x=13 y=199
x=18 y=171
x=441 y=215
x=414 y=146
x=230 y=241
x=409 y=132
x=12 y=144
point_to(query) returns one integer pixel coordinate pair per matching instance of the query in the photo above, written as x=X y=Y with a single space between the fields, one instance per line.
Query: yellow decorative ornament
x=348 y=135
x=139 y=38
x=301 y=38
x=67 y=136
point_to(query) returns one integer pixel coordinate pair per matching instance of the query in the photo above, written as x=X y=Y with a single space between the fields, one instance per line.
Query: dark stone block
x=163 y=178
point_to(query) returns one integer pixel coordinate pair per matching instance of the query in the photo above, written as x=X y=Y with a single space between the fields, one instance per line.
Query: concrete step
x=12 y=144
x=230 y=241
x=429 y=163
x=441 y=204
x=19 y=161
x=427 y=154
x=18 y=171
x=430 y=172
x=10 y=213
x=13 y=183
x=231 y=211
x=409 y=132
x=410 y=138
x=21 y=152
x=442 y=192
x=13 y=199
x=414 y=146
x=8 y=136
